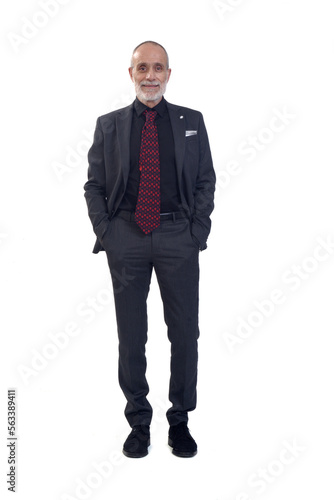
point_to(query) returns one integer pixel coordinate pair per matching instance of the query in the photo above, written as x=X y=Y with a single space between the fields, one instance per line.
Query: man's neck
x=150 y=104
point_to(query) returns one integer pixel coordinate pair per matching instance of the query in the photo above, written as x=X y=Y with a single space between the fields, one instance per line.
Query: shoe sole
x=182 y=454
x=134 y=455
x=129 y=454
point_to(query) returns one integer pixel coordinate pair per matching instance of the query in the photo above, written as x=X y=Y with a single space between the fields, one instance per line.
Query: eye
x=159 y=68
x=142 y=68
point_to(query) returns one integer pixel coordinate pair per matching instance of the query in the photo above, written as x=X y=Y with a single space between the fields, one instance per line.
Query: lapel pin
x=181 y=117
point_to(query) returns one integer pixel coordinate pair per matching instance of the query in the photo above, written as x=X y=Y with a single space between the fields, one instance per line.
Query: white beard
x=150 y=95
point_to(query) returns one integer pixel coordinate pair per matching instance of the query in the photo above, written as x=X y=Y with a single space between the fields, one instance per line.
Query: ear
x=130 y=73
x=168 y=74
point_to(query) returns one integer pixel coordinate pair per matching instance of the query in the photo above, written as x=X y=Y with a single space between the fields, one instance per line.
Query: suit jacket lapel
x=123 y=129
x=178 y=124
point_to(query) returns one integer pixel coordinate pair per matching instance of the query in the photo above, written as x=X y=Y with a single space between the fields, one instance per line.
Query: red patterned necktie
x=147 y=214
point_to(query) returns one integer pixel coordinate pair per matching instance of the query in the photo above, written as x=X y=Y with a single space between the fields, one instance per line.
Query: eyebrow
x=148 y=64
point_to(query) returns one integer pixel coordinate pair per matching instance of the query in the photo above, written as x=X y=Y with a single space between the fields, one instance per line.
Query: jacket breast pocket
x=191 y=139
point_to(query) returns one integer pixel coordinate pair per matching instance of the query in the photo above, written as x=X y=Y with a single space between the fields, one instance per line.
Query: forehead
x=151 y=54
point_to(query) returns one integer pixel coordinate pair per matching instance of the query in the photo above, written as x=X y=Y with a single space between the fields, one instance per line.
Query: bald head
x=156 y=44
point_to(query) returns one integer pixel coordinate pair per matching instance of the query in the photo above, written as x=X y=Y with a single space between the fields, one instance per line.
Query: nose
x=150 y=73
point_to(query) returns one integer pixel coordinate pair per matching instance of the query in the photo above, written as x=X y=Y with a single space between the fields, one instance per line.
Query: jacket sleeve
x=95 y=187
x=204 y=190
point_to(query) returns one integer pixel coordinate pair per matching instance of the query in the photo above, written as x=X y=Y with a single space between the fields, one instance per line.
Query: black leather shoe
x=180 y=440
x=137 y=442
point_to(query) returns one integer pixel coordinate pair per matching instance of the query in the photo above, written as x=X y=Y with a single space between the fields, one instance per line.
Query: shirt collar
x=159 y=108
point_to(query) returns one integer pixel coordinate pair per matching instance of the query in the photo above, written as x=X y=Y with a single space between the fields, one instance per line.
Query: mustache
x=149 y=83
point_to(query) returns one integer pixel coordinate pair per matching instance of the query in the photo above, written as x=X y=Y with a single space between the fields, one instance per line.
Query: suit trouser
x=173 y=254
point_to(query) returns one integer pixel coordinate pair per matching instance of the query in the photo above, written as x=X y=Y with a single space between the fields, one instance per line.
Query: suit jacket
x=109 y=165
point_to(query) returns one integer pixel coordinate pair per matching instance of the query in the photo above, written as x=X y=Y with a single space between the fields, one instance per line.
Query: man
x=150 y=194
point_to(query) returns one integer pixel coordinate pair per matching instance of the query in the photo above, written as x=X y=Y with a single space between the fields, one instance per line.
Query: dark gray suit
x=109 y=164
x=172 y=250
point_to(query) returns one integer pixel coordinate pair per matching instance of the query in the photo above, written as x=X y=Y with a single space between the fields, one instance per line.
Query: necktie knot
x=150 y=116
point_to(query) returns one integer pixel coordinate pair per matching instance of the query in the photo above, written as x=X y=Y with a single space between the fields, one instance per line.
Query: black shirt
x=169 y=189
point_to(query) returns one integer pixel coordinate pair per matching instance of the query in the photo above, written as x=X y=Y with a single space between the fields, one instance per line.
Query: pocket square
x=191 y=132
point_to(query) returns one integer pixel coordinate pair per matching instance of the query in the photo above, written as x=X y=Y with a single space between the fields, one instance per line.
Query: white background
x=273 y=387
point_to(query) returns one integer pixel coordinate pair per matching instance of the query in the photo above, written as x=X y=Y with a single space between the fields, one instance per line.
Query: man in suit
x=150 y=193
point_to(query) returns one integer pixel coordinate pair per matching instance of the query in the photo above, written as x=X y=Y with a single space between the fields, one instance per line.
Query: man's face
x=149 y=73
